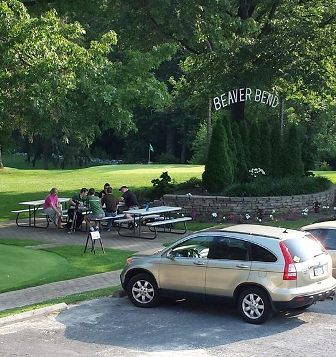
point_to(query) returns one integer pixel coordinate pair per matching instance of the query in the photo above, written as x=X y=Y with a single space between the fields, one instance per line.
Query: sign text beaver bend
x=243 y=95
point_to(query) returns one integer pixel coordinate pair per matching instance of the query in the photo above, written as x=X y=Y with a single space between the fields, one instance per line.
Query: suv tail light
x=290 y=270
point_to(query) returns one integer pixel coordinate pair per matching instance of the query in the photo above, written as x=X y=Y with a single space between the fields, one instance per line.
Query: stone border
x=202 y=207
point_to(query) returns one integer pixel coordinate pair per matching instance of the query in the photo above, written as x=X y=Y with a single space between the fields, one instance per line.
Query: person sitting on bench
x=110 y=202
x=104 y=190
x=51 y=207
x=93 y=203
x=129 y=198
x=75 y=201
x=131 y=202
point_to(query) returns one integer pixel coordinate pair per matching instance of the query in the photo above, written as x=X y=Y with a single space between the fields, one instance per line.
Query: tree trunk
x=184 y=146
x=209 y=124
x=1 y=163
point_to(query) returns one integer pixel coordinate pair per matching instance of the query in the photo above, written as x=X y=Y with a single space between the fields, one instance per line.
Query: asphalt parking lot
x=114 y=327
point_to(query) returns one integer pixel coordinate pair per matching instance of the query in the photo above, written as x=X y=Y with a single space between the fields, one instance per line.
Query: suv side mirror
x=171 y=255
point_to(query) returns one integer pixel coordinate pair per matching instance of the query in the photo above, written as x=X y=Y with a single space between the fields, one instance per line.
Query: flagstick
x=149 y=155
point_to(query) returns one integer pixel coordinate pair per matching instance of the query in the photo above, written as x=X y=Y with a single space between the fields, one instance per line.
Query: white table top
x=152 y=210
x=40 y=202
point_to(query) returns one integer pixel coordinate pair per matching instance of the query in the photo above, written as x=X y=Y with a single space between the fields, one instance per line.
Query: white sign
x=244 y=95
x=95 y=235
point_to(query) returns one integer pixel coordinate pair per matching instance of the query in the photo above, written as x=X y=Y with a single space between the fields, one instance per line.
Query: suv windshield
x=303 y=249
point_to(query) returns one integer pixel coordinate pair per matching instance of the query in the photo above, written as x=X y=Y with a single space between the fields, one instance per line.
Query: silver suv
x=260 y=268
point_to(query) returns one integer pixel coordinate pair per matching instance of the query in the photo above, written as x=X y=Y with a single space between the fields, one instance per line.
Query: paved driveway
x=114 y=327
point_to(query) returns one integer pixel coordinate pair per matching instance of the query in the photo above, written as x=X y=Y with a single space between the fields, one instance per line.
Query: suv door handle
x=199 y=263
x=243 y=266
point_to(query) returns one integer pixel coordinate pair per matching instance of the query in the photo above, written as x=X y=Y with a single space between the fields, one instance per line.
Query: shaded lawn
x=25 y=185
x=21 y=242
x=24 y=267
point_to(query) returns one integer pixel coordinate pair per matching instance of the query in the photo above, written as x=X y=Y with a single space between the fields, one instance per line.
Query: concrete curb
x=33 y=313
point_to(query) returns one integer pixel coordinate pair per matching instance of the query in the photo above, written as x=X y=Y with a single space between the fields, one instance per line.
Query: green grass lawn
x=21 y=185
x=23 y=267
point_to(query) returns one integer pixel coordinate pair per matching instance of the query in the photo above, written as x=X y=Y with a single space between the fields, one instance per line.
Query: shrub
x=192 y=183
x=162 y=185
x=266 y=186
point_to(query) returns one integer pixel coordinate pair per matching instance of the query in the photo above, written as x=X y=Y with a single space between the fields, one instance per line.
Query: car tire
x=254 y=305
x=143 y=291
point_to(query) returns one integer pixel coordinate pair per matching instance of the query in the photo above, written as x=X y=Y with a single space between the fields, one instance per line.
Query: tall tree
x=55 y=88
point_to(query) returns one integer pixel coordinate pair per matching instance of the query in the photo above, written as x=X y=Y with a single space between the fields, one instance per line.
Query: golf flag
x=151 y=148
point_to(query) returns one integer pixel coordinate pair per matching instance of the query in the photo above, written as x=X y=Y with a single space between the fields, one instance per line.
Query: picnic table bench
x=169 y=224
x=159 y=214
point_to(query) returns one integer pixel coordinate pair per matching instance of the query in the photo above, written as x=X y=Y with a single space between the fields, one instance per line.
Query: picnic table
x=33 y=208
x=161 y=216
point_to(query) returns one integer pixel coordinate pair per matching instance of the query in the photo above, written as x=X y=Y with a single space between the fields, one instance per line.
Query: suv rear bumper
x=304 y=300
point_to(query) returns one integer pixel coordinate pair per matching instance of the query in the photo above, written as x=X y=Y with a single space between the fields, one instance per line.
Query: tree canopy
x=71 y=71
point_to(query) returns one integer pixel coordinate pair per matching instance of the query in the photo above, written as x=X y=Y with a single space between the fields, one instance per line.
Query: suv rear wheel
x=142 y=290
x=254 y=305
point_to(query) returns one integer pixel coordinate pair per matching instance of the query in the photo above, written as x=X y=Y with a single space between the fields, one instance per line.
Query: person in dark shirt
x=111 y=203
x=129 y=198
x=104 y=191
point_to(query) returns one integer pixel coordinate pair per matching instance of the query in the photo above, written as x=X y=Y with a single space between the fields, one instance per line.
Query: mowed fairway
x=22 y=185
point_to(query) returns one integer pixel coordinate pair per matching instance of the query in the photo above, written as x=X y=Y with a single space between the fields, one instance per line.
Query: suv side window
x=196 y=247
x=260 y=254
x=229 y=248
x=330 y=239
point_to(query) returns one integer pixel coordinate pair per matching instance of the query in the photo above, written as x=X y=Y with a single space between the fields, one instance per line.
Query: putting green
x=23 y=266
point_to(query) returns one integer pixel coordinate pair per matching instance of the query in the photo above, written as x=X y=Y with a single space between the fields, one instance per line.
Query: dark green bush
x=267 y=186
x=193 y=182
x=162 y=185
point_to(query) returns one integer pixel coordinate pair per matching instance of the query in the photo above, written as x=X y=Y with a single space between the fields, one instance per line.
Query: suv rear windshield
x=303 y=249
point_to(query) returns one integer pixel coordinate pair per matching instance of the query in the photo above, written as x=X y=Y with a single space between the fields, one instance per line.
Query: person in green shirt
x=94 y=204
x=75 y=201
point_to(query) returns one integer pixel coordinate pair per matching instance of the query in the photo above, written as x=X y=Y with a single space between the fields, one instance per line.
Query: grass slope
x=22 y=185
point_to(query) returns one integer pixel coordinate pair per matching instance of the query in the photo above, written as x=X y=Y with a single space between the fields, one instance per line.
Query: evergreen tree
x=293 y=153
x=242 y=170
x=218 y=168
x=232 y=144
x=265 y=152
x=255 y=146
x=276 y=169
x=245 y=137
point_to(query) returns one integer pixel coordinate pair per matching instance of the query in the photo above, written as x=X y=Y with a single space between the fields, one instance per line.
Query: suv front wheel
x=254 y=305
x=142 y=290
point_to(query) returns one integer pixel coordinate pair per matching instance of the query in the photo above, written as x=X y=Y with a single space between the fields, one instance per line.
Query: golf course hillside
x=24 y=185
